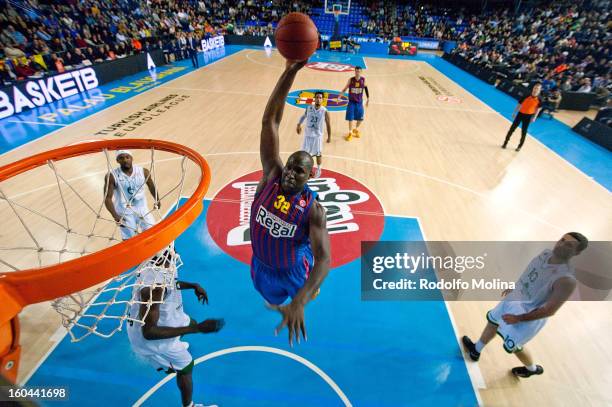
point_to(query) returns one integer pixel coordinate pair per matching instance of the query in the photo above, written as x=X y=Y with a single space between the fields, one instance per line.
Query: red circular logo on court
x=330 y=66
x=354 y=214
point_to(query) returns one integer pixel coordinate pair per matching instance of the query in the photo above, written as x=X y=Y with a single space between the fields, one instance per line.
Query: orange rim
x=21 y=288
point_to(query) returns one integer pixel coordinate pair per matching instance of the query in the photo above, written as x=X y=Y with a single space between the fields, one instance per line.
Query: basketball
x=296 y=37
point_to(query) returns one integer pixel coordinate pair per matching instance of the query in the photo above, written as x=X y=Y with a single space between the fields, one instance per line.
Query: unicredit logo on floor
x=36 y=93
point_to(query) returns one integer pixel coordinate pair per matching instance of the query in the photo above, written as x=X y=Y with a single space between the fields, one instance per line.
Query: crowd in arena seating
x=38 y=37
x=565 y=47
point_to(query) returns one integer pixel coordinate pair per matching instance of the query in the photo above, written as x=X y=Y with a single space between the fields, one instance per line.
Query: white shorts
x=136 y=220
x=514 y=335
x=313 y=145
x=165 y=353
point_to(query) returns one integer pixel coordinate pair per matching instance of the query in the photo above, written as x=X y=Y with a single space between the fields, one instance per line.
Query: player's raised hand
x=295 y=65
x=211 y=326
x=293 y=319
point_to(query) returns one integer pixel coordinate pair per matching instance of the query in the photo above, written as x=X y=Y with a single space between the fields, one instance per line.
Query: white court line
x=237 y=92
x=265 y=349
x=532 y=137
x=416 y=173
x=473 y=369
x=234 y=92
x=91 y=174
x=56 y=338
x=45 y=123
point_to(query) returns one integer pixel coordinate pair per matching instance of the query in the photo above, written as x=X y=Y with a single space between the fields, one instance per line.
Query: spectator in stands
x=23 y=70
x=551 y=102
x=57 y=45
x=15 y=35
x=11 y=51
x=585 y=86
x=57 y=63
x=37 y=65
x=6 y=75
x=79 y=42
x=121 y=50
x=109 y=53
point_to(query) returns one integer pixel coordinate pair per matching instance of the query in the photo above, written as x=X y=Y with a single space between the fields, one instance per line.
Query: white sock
x=479 y=345
x=532 y=368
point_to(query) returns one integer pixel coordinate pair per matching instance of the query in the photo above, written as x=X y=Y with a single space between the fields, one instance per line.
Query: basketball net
x=101 y=311
x=104 y=311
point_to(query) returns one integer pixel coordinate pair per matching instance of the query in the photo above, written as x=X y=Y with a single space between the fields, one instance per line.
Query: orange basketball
x=296 y=37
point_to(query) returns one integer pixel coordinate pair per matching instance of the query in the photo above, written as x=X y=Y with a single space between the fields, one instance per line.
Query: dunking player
x=354 y=111
x=546 y=284
x=159 y=339
x=288 y=225
x=125 y=196
x=313 y=137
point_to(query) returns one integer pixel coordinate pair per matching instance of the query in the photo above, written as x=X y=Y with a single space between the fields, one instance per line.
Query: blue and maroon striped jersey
x=279 y=225
x=356 y=90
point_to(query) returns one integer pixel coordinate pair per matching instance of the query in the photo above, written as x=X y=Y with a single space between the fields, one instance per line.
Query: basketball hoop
x=22 y=287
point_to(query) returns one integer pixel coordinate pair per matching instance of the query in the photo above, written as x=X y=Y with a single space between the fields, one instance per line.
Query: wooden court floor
x=440 y=162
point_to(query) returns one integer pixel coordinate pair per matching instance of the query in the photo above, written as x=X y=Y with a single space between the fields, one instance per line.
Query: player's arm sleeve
x=319 y=240
x=366 y=91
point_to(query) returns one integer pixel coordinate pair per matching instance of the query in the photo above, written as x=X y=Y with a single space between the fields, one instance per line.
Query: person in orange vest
x=525 y=114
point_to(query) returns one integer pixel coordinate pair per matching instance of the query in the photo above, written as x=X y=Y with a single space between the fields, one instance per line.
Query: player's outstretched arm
x=151 y=331
x=197 y=289
x=269 y=144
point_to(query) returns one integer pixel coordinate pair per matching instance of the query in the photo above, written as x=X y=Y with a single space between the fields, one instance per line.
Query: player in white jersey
x=125 y=195
x=159 y=339
x=313 y=136
x=544 y=286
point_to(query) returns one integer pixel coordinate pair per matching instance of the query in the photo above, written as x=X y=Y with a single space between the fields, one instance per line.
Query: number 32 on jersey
x=281 y=204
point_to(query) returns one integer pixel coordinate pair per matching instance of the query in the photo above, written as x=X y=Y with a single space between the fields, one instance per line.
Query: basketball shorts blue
x=354 y=111
x=276 y=285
